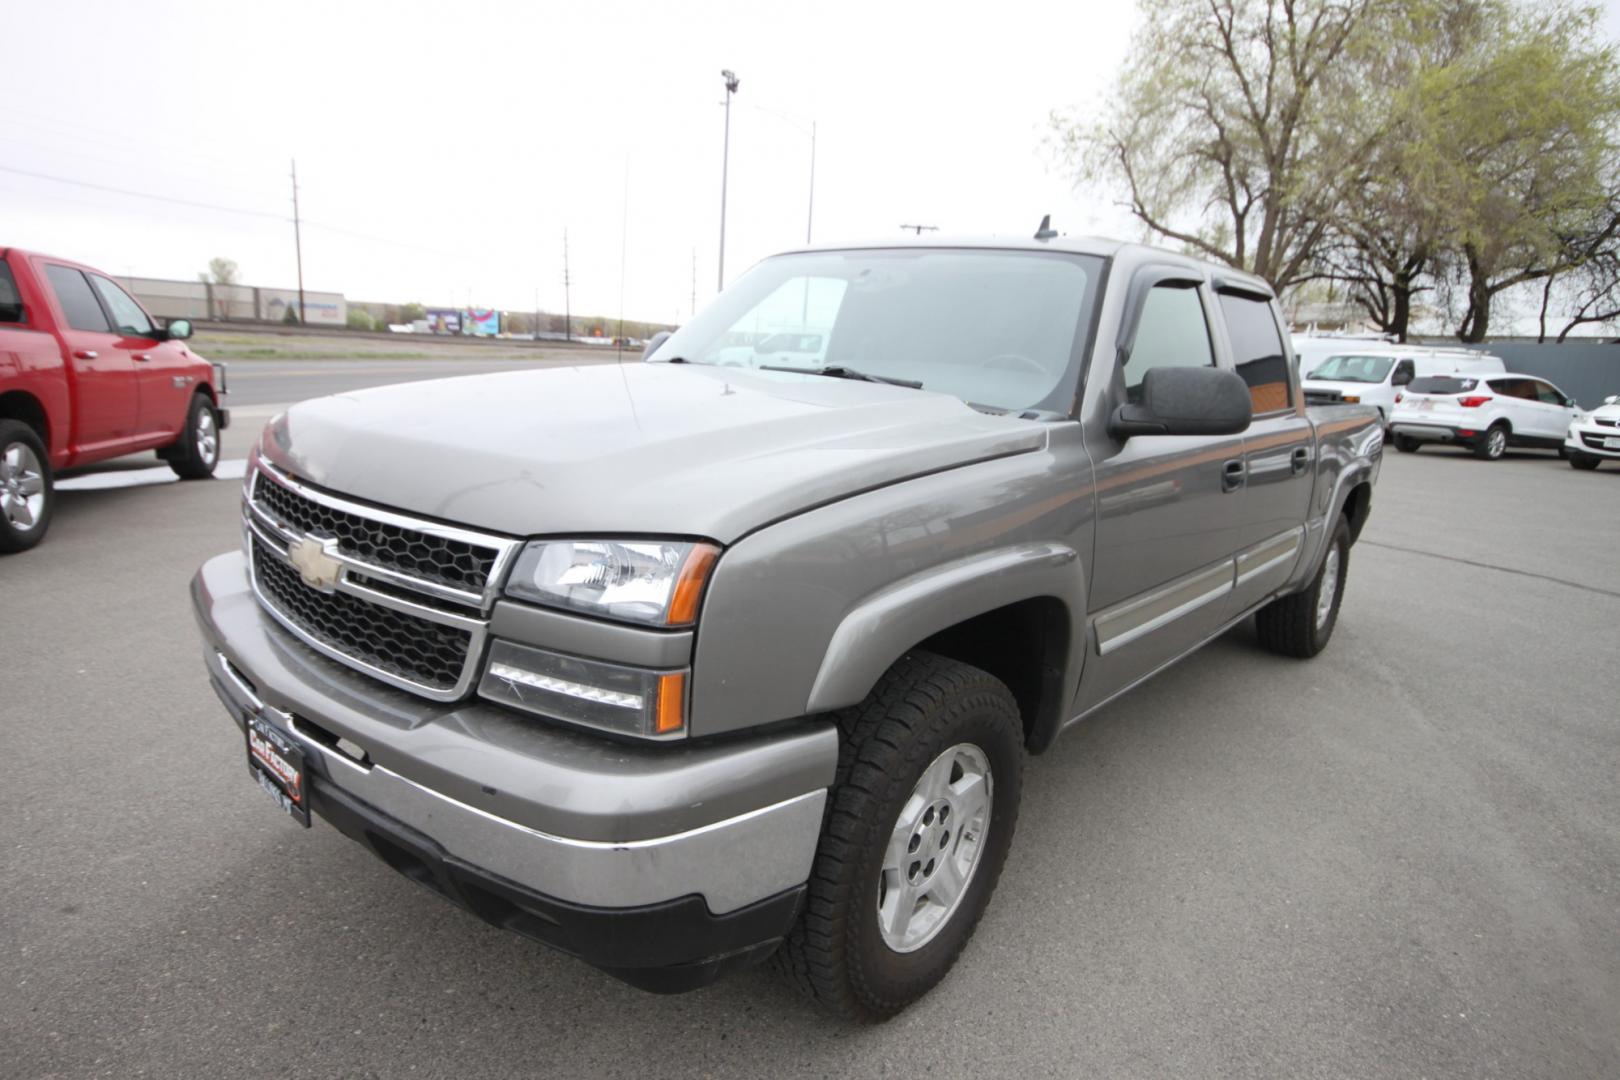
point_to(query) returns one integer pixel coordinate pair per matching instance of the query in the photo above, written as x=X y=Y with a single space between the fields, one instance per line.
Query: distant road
x=265 y=382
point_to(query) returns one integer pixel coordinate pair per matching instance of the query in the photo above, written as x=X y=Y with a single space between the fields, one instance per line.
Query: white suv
x=1594 y=437
x=1486 y=413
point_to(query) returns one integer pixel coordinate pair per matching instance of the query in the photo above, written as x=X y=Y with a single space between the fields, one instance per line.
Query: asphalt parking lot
x=1399 y=859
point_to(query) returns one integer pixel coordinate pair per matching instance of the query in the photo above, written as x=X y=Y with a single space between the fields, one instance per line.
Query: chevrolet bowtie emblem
x=313 y=559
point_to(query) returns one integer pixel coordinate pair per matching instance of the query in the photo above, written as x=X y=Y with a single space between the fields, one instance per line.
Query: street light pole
x=725 y=167
x=810 y=214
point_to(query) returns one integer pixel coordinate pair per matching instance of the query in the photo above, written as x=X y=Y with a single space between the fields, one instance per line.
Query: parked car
x=85 y=375
x=1594 y=437
x=1373 y=374
x=1485 y=414
x=677 y=666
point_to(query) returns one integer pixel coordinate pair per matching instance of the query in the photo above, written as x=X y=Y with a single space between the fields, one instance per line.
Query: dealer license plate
x=277 y=764
x=1611 y=443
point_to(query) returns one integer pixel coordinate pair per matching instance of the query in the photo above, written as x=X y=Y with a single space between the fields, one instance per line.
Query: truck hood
x=648 y=449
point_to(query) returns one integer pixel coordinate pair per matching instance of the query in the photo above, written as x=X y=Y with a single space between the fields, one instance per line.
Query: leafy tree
x=1227 y=131
x=221 y=271
x=290 y=315
x=1519 y=140
x=358 y=318
x=411 y=312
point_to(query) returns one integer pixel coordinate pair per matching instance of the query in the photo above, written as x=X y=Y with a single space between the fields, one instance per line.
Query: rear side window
x=78 y=303
x=1515 y=388
x=11 y=307
x=1441 y=384
x=1172 y=333
x=1257 y=348
x=127 y=314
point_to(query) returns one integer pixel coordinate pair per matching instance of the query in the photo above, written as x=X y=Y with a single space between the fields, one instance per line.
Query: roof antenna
x=1045 y=232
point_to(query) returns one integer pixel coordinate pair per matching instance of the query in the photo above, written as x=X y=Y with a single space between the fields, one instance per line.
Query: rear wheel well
x=18 y=405
x=1025 y=645
x=1357 y=505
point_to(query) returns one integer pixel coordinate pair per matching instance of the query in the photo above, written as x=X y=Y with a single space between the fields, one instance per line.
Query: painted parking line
x=234 y=469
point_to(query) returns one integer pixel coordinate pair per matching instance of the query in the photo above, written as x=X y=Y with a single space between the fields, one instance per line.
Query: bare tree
x=1228 y=132
x=221 y=272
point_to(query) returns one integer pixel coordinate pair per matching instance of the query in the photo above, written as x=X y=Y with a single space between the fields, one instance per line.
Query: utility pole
x=298 y=243
x=568 y=306
x=694 y=281
x=810 y=214
x=725 y=168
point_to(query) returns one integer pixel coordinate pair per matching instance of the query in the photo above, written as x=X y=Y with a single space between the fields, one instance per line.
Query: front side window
x=1548 y=394
x=77 y=301
x=1356 y=369
x=127 y=314
x=1405 y=372
x=1257 y=349
x=997 y=329
x=1172 y=332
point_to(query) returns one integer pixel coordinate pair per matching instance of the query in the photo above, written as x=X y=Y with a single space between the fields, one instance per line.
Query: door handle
x=143 y=357
x=1232 y=474
x=1301 y=458
x=85 y=354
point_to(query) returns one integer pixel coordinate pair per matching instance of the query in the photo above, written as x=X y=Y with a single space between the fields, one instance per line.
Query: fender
x=1360 y=454
x=879 y=629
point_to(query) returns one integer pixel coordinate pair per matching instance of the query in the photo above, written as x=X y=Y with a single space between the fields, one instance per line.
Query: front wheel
x=27 y=496
x=1584 y=462
x=196 y=452
x=916 y=832
x=1300 y=625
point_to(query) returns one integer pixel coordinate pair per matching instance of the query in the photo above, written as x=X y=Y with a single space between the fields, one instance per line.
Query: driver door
x=1167 y=517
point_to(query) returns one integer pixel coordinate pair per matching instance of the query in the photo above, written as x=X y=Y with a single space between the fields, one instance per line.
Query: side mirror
x=178 y=329
x=653 y=343
x=1186 y=401
x=1612 y=399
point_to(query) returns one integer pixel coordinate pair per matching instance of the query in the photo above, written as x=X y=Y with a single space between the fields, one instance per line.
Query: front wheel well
x=1025 y=645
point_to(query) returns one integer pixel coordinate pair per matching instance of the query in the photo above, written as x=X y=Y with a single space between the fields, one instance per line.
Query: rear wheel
x=1584 y=462
x=1406 y=444
x=917 y=829
x=27 y=496
x=1300 y=625
x=1493 y=444
x=196 y=452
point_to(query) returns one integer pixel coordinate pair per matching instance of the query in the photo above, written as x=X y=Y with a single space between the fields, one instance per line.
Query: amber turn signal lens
x=671 y=703
x=683 y=607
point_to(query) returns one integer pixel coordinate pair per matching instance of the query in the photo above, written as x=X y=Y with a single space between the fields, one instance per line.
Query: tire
x=1584 y=462
x=927 y=718
x=1406 y=444
x=1300 y=625
x=27 y=492
x=1493 y=444
x=195 y=454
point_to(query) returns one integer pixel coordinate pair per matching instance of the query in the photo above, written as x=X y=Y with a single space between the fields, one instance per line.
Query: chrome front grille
x=408 y=602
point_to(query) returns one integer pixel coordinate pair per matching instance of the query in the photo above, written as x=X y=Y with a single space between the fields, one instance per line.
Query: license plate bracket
x=277 y=763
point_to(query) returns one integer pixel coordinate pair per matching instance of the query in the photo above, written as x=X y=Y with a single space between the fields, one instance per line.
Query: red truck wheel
x=26 y=495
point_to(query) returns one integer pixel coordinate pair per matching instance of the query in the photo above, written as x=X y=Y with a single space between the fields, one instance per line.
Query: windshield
x=999 y=329
x=1361 y=369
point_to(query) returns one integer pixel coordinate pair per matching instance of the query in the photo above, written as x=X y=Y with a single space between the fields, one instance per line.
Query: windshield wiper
x=837 y=371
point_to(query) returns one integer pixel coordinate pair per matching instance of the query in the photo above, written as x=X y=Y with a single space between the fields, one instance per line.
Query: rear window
x=1441 y=384
x=11 y=308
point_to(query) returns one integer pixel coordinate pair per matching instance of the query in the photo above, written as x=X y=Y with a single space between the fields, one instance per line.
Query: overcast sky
x=452 y=144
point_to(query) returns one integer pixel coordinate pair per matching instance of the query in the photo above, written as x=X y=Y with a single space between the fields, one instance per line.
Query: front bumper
x=1589 y=442
x=664 y=865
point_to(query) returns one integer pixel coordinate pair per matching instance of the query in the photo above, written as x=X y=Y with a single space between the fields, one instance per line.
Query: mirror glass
x=179 y=329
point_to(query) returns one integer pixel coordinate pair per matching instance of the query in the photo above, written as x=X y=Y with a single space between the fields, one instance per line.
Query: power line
x=144 y=194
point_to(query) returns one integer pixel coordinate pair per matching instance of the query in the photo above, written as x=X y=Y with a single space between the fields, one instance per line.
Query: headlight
x=658 y=583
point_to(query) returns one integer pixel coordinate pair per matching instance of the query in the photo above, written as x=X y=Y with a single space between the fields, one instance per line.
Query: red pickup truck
x=85 y=375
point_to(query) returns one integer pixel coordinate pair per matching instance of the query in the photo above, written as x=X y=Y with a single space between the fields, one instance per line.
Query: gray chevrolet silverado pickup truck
x=681 y=664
